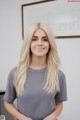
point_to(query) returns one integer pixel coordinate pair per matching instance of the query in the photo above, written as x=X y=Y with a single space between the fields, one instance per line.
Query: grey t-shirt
x=35 y=102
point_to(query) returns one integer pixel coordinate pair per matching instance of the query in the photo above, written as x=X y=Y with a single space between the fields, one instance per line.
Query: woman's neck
x=38 y=62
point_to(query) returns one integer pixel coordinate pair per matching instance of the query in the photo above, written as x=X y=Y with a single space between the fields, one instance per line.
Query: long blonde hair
x=53 y=62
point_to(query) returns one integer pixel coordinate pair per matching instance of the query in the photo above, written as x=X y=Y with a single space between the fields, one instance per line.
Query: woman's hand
x=12 y=110
x=51 y=117
x=25 y=118
x=28 y=119
x=55 y=114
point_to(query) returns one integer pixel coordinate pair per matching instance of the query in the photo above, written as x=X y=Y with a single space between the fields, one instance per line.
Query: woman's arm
x=56 y=113
x=12 y=110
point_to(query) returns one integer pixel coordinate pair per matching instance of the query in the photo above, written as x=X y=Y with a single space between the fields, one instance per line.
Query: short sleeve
x=10 y=93
x=62 y=95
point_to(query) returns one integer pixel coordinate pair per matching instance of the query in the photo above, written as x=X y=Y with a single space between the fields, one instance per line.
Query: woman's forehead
x=39 y=31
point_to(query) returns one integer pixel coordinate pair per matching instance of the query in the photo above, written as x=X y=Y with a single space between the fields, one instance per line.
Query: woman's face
x=39 y=44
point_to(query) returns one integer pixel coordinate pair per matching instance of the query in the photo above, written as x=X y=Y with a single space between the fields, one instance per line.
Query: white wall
x=70 y=57
x=10 y=45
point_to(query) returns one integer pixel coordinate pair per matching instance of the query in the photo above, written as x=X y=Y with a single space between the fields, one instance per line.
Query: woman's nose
x=39 y=42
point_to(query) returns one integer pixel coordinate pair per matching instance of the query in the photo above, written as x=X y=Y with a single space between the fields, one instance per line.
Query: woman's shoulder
x=11 y=75
x=12 y=71
x=61 y=75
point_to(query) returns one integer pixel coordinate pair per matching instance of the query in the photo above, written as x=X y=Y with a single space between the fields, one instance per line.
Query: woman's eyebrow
x=45 y=37
x=34 y=36
x=42 y=36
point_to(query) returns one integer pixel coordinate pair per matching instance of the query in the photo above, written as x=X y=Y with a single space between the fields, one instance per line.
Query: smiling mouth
x=40 y=49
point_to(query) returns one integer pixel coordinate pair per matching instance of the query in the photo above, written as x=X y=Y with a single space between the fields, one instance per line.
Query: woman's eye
x=33 y=39
x=45 y=39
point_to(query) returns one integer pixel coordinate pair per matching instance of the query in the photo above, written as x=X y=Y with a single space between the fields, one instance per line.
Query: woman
x=37 y=82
